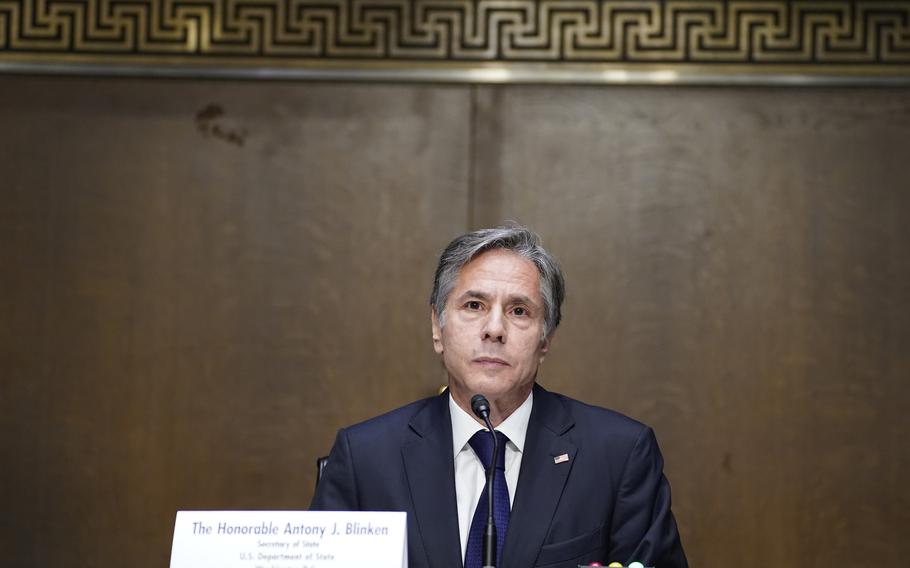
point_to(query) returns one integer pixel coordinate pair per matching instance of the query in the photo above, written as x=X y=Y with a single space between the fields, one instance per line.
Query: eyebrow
x=513 y=299
x=473 y=294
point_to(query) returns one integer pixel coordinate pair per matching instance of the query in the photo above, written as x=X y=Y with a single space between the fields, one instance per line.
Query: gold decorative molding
x=801 y=41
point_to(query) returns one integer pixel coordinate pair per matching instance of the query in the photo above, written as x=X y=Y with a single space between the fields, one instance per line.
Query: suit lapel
x=541 y=479
x=430 y=469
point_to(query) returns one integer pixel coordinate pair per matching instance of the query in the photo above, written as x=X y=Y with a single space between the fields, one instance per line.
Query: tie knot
x=482 y=443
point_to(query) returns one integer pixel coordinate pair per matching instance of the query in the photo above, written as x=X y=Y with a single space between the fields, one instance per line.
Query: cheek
x=455 y=347
x=463 y=348
x=530 y=345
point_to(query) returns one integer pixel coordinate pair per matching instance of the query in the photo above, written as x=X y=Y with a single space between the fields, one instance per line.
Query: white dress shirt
x=470 y=477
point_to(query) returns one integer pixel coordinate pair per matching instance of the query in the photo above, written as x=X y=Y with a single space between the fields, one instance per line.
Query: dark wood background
x=203 y=280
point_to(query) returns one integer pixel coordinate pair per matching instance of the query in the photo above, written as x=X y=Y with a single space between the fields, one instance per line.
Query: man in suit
x=578 y=484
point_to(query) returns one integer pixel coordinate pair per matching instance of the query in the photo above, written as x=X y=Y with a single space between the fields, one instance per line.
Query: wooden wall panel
x=738 y=278
x=202 y=281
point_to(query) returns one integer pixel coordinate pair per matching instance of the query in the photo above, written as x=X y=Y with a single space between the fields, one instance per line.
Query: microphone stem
x=489 y=534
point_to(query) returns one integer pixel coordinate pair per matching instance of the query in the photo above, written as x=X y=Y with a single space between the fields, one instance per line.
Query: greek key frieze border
x=594 y=41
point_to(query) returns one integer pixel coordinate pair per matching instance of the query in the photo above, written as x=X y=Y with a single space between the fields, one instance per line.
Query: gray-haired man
x=583 y=484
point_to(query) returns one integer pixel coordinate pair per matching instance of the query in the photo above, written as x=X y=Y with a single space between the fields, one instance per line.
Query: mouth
x=491 y=361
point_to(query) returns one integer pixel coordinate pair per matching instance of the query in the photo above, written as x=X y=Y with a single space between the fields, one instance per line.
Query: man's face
x=492 y=341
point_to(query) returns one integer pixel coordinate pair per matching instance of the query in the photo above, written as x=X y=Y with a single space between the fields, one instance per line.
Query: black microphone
x=481 y=407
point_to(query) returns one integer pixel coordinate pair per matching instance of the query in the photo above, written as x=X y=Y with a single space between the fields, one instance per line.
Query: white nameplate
x=289 y=539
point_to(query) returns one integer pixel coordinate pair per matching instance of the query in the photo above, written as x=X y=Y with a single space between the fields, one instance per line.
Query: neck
x=500 y=408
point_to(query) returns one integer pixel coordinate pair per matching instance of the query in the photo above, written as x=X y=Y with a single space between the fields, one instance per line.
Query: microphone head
x=480 y=405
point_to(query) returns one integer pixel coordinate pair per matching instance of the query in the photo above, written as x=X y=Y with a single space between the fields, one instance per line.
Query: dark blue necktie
x=482 y=443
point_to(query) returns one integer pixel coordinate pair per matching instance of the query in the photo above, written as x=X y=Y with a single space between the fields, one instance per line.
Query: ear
x=544 y=348
x=437 y=331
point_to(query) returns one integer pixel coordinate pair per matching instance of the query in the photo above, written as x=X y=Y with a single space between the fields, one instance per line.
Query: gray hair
x=513 y=238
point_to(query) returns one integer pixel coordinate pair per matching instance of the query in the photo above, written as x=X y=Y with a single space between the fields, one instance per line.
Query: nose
x=494 y=328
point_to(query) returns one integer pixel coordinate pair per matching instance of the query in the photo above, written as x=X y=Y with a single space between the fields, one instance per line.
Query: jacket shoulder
x=599 y=421
x=390 y=426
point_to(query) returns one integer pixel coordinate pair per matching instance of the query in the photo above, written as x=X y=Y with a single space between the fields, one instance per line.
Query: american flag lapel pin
x=561 y=458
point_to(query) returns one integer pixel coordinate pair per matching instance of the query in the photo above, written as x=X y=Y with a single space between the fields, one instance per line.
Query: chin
x=495 y=388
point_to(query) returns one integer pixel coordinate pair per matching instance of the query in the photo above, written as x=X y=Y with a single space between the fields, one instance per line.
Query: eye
x=520 y=311
x=473 y=305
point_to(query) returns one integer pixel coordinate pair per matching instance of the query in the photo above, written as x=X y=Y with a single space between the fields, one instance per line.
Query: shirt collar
x=515 y=427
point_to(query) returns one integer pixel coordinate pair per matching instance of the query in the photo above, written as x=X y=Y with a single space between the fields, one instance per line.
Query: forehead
x=502 y=272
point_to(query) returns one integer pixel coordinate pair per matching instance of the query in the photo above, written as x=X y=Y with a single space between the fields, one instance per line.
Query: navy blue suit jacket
x=609 y=502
